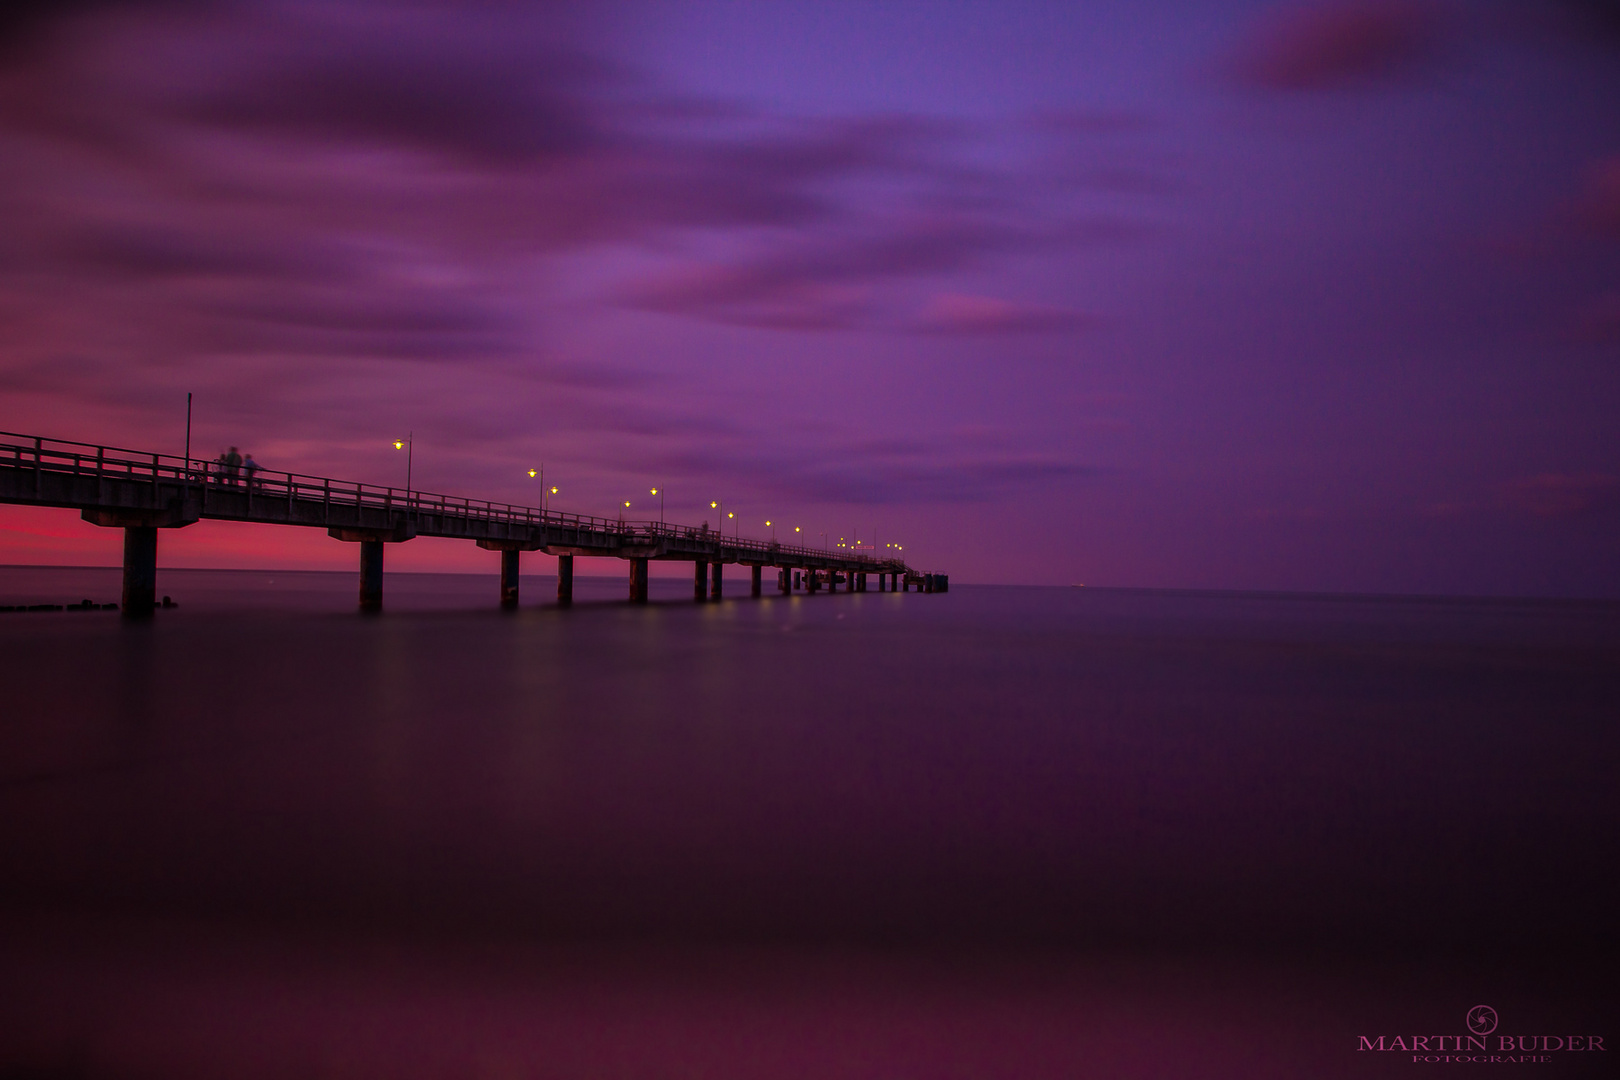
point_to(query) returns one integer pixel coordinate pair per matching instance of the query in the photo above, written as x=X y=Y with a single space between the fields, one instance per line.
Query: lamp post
x=540 y=473
x=659 y=491
x=408 y=444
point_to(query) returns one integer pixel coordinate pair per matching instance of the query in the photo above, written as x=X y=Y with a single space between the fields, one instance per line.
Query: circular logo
x=1482 y=1019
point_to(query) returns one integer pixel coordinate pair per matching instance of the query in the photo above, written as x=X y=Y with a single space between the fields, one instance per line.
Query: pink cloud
x=753 y=296
x=1598 y=206
x=1598 y=323
x=1320 y=47
x=1552 y=495
x=956 y=313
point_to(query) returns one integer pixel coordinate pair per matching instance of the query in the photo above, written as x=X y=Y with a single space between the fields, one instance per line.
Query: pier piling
x=371 y=575
x=754 y=580
x=140 y=570
x=565 y=580
x=715 y=570
x=700 y=581
x=509 y=579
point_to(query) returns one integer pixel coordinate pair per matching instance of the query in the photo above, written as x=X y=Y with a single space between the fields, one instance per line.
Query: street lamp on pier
x=407 y=444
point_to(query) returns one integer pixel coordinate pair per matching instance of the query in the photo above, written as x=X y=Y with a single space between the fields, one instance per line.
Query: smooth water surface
x=987 y=832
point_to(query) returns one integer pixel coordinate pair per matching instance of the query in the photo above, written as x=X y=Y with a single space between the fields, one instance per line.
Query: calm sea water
x=1000 y=831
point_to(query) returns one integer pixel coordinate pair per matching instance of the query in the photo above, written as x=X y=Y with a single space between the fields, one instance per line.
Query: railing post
x=39 y=448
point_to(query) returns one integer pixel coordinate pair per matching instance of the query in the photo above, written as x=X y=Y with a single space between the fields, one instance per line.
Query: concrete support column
x=832 y=581
x=714 y=585
x=812 y=581
x=754 y=580
x=638 y=581
x=860 y=583
x=784 y=580
x=565 y=580
x=700 y=581
x=798 y=579
x=140 y=570
x=509 y=579
x=371 y=575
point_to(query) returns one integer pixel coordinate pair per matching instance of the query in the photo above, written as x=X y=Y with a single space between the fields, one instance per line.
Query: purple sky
x=1227 y=295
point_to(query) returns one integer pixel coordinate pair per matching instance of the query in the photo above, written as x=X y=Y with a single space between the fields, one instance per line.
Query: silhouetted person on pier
x=249 y=466
x=233 y=462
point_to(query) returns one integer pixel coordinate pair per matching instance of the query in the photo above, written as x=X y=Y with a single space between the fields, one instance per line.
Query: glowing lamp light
x=399 y=445
x=554 y=491
x=532 y=474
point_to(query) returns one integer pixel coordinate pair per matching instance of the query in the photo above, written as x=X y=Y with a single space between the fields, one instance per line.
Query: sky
x=1270 y=295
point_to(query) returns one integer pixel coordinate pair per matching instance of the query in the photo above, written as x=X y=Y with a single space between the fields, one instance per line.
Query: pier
x=143 y=493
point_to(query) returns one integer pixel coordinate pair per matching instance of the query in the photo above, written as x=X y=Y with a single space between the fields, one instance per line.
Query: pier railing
x=60 y=456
